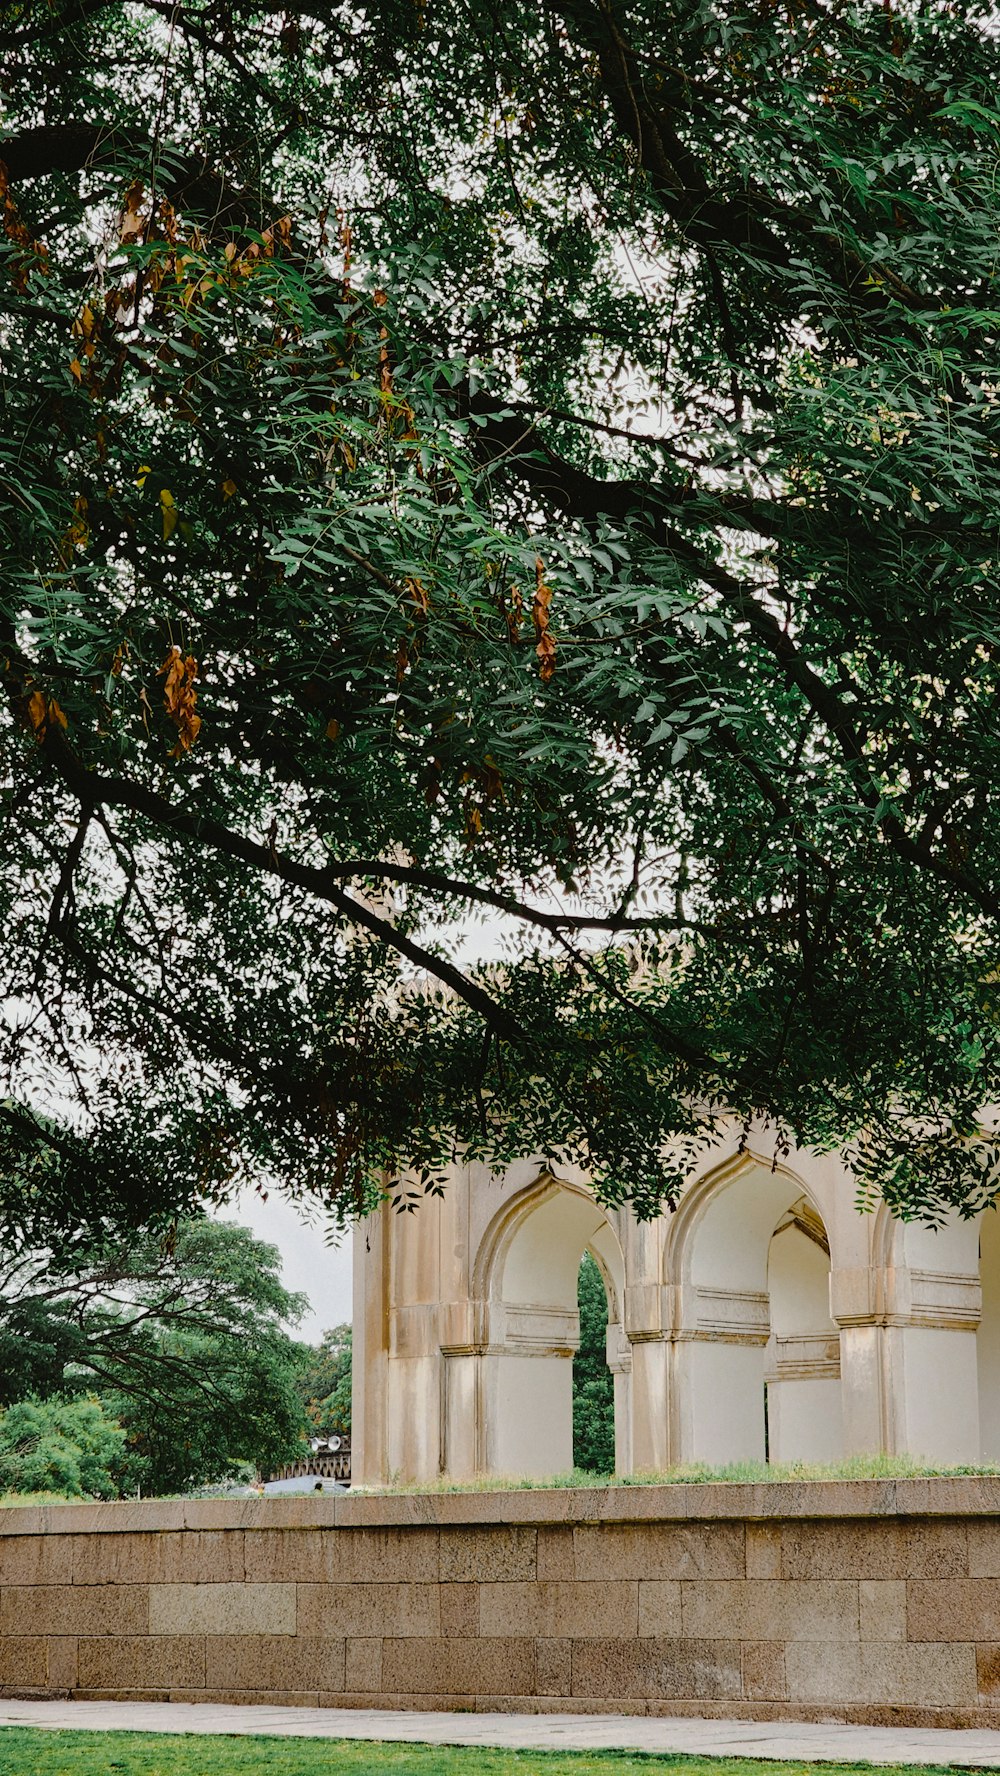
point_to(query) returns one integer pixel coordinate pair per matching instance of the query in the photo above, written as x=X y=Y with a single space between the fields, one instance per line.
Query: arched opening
x=532 y=1282
x=758 y=1369
x=593 y=1382
x=802 y=1361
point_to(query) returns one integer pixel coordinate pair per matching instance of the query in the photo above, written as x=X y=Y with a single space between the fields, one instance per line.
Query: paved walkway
x=796 y=1741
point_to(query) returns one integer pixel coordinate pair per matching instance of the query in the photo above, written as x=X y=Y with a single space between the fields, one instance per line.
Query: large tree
x=532 y=461
x=183 y=1338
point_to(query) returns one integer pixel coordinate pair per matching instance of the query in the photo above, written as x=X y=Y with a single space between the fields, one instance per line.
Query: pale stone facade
x=765 y=1317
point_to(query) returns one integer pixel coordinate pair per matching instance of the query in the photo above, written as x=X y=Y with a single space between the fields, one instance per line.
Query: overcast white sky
x=320 y=1271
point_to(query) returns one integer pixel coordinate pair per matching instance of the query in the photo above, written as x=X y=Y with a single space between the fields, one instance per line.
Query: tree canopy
x=530 y=462
x=184 y=1342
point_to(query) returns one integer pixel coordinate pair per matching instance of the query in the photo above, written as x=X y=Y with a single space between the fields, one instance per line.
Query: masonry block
x=342 y=1611
x=783 y=1609
x=194 y=1557
x=883 y=1609
x=657 y=1667
x=363 y=1668
x=660 y=1607
x=459 y=1667
x=273 y=1662
x=62 y=1662
x=937 y=1548
x=459 y=1606
x=222 y=1609
x=893 y=1674
x=343 y=1556
x=953 y=1609
x=74 y=1609
x=844 y=1550
x=24 y=1661
x=764 y=1551
x=983 y=1541
x=660 y=1551
x=554 y=1667
x=555 y=1558
x=132 y=1663
x=559 y=1607
x=504 y=1553
x=763 y=1669
x=35 y=1560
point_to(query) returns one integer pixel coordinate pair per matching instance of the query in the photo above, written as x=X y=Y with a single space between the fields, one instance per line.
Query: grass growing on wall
x=856 y=1467
x=30 y=1752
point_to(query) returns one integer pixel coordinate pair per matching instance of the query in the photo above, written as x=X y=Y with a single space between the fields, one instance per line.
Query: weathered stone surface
x=132 y=1662
x=656 y=1667
x=341 y=1557
x=459 y=1667
x=491 y=1554
x=222 y=1609
x=559 y=1607
x=883 y=1609
x=74 y=1609
x=62 y=1662
x=832 y=1550
x=273 y=1662
x=983 y=1541
x=24 y=1660
x=660 y=1551
x=554 y=1667
x=763 y=1669
x=764 y=1552
x=460 y=1611
x=555 y=1557
x=660 y=1607
x=900 y=1675
x=363 y=1670
x=342 y=1611
x=35 y=1560
x=953 y=1609
x=937 y=1549
x=195 y=1557
x=783 y=1609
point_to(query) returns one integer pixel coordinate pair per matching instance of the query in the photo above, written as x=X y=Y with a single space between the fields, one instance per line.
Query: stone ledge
x=945 y=1495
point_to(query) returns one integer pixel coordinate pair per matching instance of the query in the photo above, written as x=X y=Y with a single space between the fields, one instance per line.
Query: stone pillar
x=719 y=1370
x=370 y=1352
x=648 y=1332
x=804 y=1420
x=908 y=1360
x=619 y=1359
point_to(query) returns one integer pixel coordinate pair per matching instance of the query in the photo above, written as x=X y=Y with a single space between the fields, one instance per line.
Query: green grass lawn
x=26 y=1751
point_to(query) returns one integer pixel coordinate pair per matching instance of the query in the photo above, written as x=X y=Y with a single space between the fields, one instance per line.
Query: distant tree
x=182 y=1337
x=72 y=1447
x=325 y=1384
x=593 y=1384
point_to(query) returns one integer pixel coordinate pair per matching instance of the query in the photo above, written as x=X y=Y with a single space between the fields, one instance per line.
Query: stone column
x=719 y=1374
x=619 y=1360
x=908 y=1361
x=370 y=1351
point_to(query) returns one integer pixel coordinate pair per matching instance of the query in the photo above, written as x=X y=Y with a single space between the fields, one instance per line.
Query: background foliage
x=153 y=1363
x=533 y=461
x=593 y=1382
x=324 y=1384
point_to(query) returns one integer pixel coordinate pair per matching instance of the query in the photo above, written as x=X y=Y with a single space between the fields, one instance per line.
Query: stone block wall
x=860 y=1601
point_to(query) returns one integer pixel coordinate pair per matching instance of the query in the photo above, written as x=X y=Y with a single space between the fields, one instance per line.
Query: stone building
x=765 y=1318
